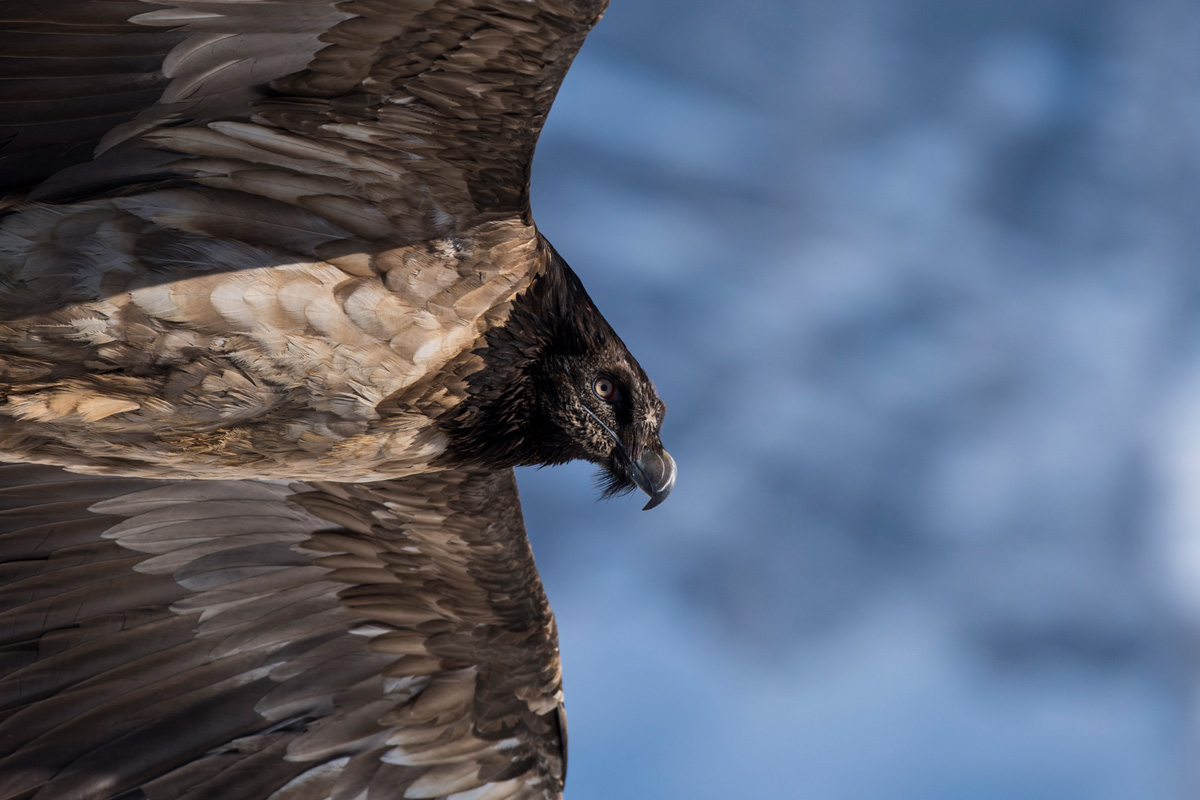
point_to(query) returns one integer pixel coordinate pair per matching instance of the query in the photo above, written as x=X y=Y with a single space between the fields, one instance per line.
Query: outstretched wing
x=289 y=211
x=403 y=98
x=207 y=639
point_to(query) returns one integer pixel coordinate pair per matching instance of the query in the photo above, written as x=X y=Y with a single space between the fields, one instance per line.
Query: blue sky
x=918 y=282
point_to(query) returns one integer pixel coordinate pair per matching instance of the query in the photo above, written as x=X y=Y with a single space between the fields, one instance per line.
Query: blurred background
x=918 y=280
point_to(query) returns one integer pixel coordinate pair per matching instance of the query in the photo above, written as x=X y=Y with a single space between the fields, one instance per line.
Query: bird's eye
x=605 y=388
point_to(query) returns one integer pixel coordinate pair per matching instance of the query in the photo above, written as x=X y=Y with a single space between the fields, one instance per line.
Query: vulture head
x=558 y=385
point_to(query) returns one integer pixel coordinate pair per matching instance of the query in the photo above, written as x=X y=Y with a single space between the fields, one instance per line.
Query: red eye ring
x=605 y=388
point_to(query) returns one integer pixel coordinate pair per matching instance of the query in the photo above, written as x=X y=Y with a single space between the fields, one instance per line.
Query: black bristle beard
x=613 y=482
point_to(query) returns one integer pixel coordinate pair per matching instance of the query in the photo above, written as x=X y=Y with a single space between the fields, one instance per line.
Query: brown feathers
x=275 y=324
x=206 y=612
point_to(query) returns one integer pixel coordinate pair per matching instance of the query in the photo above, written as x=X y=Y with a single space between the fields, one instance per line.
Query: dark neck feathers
x=508 y=416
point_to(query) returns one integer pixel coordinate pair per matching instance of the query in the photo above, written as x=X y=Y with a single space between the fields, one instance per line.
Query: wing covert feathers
x=298 y=641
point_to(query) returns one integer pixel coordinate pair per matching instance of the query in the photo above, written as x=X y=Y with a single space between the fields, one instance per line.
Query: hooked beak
x=654 y=473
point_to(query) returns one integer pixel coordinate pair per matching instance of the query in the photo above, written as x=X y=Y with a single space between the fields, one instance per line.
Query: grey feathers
x=222 y=629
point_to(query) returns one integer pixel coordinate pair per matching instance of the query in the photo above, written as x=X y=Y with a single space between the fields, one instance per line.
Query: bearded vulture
x=275 y=327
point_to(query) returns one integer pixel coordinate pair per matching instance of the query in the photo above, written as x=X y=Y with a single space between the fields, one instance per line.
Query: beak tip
x=654 y=501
